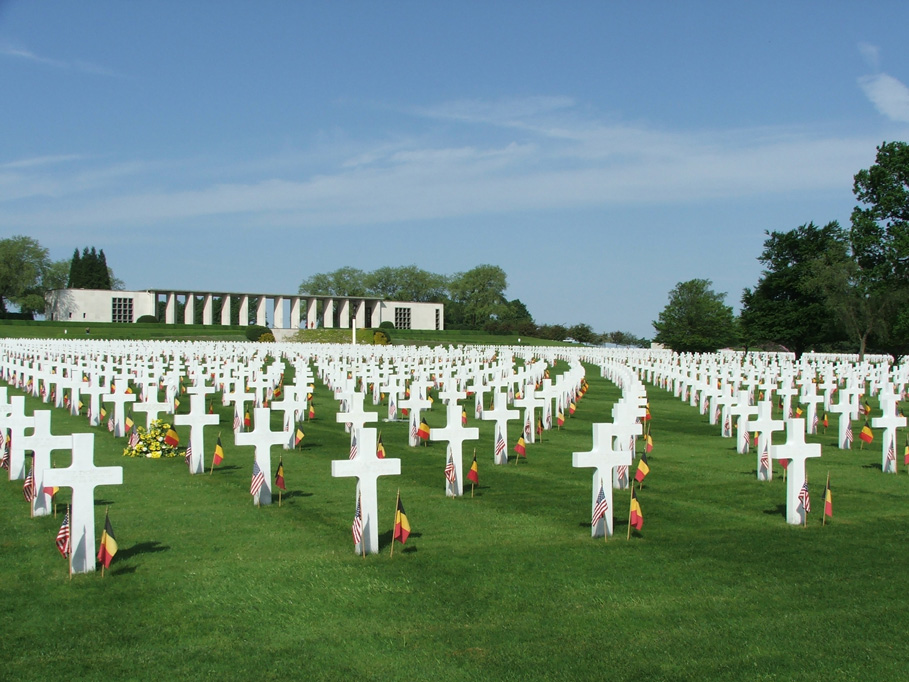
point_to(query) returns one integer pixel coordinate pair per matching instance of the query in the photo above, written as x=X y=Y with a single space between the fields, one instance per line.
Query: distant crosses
x=83 y=477
x=764 y=426
x=797 y=451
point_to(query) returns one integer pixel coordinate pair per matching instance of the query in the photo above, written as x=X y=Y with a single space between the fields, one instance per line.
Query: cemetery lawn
x=508 y=585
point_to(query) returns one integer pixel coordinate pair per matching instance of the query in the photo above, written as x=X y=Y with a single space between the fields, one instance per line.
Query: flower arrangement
x=151 y=442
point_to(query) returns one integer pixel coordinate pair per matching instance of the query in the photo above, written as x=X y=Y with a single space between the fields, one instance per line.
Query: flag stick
x=106 y=512
x=630 y=498
x=397 y=499
x=70 y=557
x=471 y=464
x=213 y=459
x=606 y=525
x=805 y=511
x=279 y=496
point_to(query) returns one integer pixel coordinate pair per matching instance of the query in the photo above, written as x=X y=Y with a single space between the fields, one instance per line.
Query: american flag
x=450 y=468
x=500 y=443
x=258 y=478
x=622 y=472
x=765 y=460
x=804 y=497
x=746 y=439
x=528 y=429
x=353 y=446
x=727 y=427
x=891 y=451
x=356 y=527
x=392 y=408
x=814 y=422
x=848 y=435
x=28 y=488
x=237 y=421
x=189 y=456
x=134 y=438
x=548 y=418
x=110 y=423
x=479 y=408
x=64 y=545
x=2 y=439
x=717 y=413
x=413 y=426
x=600 y=507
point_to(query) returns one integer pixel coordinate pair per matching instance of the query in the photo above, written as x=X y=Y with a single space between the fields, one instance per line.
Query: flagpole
x=805 y=511
x=471 y=482
x=606 y=525
x=630 y=499
x=106 y=513
x=397 y=500
x=213 y=459
x=70 y=557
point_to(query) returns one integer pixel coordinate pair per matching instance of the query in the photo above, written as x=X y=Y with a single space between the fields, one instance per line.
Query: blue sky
x=599 y=152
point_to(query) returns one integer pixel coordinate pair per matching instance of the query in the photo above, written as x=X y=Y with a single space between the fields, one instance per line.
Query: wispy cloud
x=78 y=65
x=888 y=95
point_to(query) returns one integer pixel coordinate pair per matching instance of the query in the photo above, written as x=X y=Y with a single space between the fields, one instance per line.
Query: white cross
x=604 y=459
x=355 y=415
x=94 y=389
x=197 y=419
x=16 y=421
x=797 y=451
x=844 y=409
x=501 y=414
x=529 y=401
x=367 y=468
x=83 y=477
x=455 y=434
x=764 y=426
x=119 y=398
x=262 y=437
x=811 y=398
x=890 y=421
x=41 y=443
x=743 y=411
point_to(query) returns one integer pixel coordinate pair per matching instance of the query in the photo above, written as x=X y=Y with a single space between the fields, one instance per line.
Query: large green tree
x=346 y=281
x=406 y=283
x=481 y=292
x=784 y=308
x=696 y=319
x=23 y=267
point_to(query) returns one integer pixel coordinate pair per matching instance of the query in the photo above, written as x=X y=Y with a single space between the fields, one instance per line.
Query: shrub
x=387 y=324
x=147 y=319
x=254 y=331
x=266 y=337
x=381 y=338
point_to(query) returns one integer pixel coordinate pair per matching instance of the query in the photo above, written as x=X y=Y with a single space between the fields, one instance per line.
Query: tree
x=90 y=271
x=23 y=263
x=696 y=319
x=785 y=308
x=407 y=283
x=481 y=291
x=346 y=281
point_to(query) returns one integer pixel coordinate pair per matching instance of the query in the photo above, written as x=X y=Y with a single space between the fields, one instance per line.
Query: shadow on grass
x=103 y=503
x=873 y=466
x=779 y=509
x=225 y=467
x=149 y=547
x=290 y=494
x=125 y=570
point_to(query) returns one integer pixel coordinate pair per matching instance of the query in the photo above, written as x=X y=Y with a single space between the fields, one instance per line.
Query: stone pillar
x=359 y=313
x=279 y=312
x=225 y=309
x=295 y=313
x=244 y=310
x=170 y=308
x=206 y=309
x=345 y=314
x=260 y=311
x=328 y=313
x=311 y=311
x=189 y=309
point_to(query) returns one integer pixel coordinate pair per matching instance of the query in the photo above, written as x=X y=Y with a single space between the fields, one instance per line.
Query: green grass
x=507 y=585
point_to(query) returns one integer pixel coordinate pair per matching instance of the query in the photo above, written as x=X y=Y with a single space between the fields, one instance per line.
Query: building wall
x=97 y=305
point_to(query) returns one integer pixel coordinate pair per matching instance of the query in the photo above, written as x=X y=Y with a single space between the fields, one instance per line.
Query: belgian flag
x=108 y=543
x=171 y=438
x=867 y=435
x=521 y=447
x=219 y=453
x=279 y=475
x=643 y=469
x=474 y=474
x=636 y=516
x=402 y=525
x=380 y=449
x=423 y=431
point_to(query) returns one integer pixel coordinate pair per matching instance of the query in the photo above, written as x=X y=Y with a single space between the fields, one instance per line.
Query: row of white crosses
x=82 y=476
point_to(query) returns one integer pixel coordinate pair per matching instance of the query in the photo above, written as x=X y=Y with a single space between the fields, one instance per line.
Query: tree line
x=823 y=288
x=474 y=300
